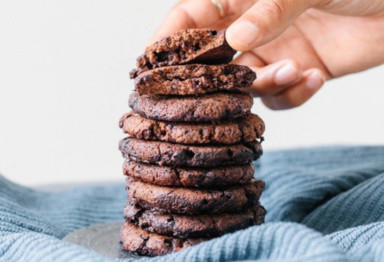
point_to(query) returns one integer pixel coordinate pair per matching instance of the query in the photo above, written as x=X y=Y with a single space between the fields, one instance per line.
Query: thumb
x=263 y=22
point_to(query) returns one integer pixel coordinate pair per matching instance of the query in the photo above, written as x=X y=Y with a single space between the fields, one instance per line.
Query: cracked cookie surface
x=168 y=154
x=243 y=130
x=213 y=108
x=193 y=201
x=194 y=79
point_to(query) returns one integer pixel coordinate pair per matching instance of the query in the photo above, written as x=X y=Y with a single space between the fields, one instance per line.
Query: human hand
x=293 y=45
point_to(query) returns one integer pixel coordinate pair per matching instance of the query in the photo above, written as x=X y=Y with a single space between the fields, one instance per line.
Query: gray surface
x=103 y=239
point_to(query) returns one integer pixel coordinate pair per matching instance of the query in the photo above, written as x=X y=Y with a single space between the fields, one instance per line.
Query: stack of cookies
x=192 y=140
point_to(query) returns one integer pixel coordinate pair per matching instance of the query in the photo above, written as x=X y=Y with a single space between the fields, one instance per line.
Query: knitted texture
x=324 y=204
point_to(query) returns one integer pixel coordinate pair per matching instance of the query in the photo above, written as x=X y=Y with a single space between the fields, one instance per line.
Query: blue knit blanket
x=324 y=204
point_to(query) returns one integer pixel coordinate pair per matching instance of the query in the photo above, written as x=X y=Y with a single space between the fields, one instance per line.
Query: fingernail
x=285 y=75
x=243 y=33
x=315 y=80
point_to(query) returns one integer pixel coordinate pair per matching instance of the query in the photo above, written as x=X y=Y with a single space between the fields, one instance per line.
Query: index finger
x=200 y=14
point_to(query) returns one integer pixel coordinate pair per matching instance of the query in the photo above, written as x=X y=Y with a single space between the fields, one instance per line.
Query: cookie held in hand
x=187 y=46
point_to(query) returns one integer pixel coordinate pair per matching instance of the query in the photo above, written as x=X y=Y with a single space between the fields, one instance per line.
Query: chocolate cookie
x=189 y=177
x=206 y=226
x=243 y=130
x=215 y=107
x=193 y=201
x=163 y=153
x=139 y=241
x=186 y=47
x=194 y=79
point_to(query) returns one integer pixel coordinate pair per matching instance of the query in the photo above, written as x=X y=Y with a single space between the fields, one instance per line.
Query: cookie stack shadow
x=191 y=143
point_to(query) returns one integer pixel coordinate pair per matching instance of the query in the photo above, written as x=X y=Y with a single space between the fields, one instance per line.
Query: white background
x=64 y=84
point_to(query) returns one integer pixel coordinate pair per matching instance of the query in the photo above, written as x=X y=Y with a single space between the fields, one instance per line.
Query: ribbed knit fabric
x=324 y=204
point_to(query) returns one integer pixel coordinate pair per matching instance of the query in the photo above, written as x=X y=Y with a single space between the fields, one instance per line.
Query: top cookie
x=185 y=47
x=194 y=79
